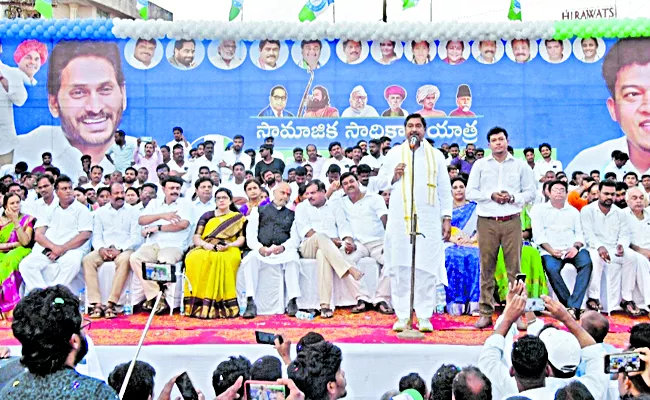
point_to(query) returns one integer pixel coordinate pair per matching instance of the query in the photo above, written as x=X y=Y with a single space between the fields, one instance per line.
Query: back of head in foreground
x=228 y=372
x=317 y=372
x=574 y=391
x=266 y=368
x=442 y=382
x=141 y=383
x=529 y=362
x=413 y=381
x=49 y=326
x=471 y=384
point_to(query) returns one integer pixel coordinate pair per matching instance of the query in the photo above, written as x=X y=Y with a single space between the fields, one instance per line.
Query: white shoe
x=424 y=325
x=400 y=325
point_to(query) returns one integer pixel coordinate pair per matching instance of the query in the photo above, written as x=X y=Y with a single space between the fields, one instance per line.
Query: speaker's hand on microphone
x=399 y=172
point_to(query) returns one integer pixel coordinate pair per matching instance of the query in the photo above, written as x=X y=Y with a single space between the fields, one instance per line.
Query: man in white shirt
x=639 y=222
x=531 y=375
x=337 y=158
x=12 y=92
x=608 y=238
x=166 y=222
x=205 y=200
x=618 y=165
x=367 y=183
x=204 y=172
x=298 y=161
x=375 y=159
x=323 y=229
x=61 y=242
x=558 y=232
x=177 y=165
x=301 y=179
x=236 y=184
x=116 y=234
x=367 y=215
x=179 y=138
x=273 y=240
x=41 y=208
x=234 y=155
x=210 y=159
x=314 y=160
x=501 y=185
x=546 y=163
x=96 y=175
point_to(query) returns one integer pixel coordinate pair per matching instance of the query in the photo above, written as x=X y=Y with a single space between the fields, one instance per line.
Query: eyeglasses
x=85 y=324
x=279 y=98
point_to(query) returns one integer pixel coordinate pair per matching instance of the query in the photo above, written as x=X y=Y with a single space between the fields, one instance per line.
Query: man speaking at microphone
x=433 y=206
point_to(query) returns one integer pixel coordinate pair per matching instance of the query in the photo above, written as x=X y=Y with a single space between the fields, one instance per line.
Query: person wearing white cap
x=427 y=96
x=541 y=365
x=359 y=105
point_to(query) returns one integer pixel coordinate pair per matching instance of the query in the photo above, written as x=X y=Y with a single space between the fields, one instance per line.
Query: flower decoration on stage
x=216 y=30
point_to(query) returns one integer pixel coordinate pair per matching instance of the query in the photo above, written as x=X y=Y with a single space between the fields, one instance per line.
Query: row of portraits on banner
x=313 y=54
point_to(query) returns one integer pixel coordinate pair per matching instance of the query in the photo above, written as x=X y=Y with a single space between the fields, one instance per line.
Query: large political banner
x=69 y=97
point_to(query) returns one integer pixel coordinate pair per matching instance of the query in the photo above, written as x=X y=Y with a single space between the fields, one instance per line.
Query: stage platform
x=374 y=359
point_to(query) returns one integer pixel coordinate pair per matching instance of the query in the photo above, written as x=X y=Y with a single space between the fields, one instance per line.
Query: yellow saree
x=212 y=274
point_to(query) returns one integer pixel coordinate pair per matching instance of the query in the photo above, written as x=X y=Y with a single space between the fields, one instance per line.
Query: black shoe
x=292 y=308
x=251 y=310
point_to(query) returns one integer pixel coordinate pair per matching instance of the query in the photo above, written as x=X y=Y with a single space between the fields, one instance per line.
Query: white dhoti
x=287 y=261
x=642 y=289
x=38 y=271
x=374 y=250
x=621 y=275
x=430 y=256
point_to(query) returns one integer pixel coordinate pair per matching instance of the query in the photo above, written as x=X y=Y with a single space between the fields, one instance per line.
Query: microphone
x=413 y=142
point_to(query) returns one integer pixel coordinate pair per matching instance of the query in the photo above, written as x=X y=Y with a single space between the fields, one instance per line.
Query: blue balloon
x=15 y=28
x=39 y=29
x=51 y=30
x=90 y=29
x=97 y=23
x=97 y=35
x=46 y=35
x=59 y=23
x=64 y=30
x=72 y=35
x=9 y=34
x=76 y=30
x=102 y=30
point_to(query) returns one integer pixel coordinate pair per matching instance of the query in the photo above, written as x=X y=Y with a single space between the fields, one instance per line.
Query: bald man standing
x=274 y=243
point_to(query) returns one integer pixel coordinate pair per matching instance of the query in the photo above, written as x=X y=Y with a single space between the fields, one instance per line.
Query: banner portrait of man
x=87 y=92
x=318 y=105
x=30 y=55
x=143 y=53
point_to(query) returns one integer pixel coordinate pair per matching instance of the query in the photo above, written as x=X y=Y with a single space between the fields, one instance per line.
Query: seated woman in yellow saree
x=211 y=267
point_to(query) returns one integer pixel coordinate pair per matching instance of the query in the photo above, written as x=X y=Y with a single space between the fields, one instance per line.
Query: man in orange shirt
x=590 y=186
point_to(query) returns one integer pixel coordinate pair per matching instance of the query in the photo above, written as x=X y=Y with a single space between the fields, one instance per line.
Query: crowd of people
x=483 y=219
x=559 y=358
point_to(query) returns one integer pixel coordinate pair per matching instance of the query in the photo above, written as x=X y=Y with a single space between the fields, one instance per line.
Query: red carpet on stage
x=345 y=327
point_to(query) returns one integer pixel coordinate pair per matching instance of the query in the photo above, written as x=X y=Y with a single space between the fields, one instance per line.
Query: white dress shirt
x=199 y=208
x=202 y=162
x=118 y=228
x=542 y=166
x=169 y=239
x=372 y=162
x=329 y=219
x=344 y=164
x=489 y=176
x=317 y=166
x=639 y=229
x=186 y=147
x=602 y=229
x=620 y=172
x=237 y=189
x=365 y=217
x=374 y=186
x=230 y=158
x=560 y=228
x=62 y=225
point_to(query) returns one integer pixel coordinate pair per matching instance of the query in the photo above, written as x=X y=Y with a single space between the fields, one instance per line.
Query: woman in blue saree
x=462 y=254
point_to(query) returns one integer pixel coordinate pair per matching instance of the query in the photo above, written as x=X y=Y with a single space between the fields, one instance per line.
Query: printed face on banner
x=521 y=51
x=487 y=51
x=143 y=53
x=589 y=50
x=226 y=54
x=386 y=52
x=269 y=55
x=420 y=52
x=555 y=51
x=352 y=51
x=310 y=54
x=185 y=54
x=454 y=52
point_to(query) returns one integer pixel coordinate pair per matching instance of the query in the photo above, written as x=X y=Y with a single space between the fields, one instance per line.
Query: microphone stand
x=409 y=332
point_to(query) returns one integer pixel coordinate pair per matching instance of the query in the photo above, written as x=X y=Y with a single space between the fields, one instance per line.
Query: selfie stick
x=137 y=351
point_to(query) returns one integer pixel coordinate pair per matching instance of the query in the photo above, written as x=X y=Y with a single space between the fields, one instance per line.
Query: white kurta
x=397 y=248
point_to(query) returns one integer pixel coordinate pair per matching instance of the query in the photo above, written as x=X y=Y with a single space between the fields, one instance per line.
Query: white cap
x=360 y=90
x=563 y=349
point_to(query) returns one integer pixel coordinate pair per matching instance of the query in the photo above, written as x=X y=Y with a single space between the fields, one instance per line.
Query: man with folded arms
x=166 y=221
x=608 y=237
x=639 y=223
x=272 y=242
x=61 y=241
x=367 y=214
x=558 y=232
x=116 y=234
x=326 y=235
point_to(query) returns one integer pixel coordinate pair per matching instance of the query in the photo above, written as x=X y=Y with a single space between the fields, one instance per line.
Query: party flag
x=44 y=7
x=313 y=8
x=409 y=3
x=235 y=9
x=143 y=8
x=514 y=14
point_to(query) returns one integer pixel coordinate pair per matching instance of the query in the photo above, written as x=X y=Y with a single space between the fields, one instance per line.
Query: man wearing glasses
x=52 y=358
x=277 y=104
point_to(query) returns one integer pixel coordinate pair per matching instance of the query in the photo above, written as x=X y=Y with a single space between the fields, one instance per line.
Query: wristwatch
x=159 y=228
x=577 y=247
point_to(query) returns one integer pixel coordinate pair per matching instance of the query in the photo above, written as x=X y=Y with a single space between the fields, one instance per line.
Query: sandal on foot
x=96 y=312
x=163 y=308
x=110 y=312
x=148 y=305
x=384 y=308
x=326 y=313
x=593 y=304
x=362 y=306
x=630 y=308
